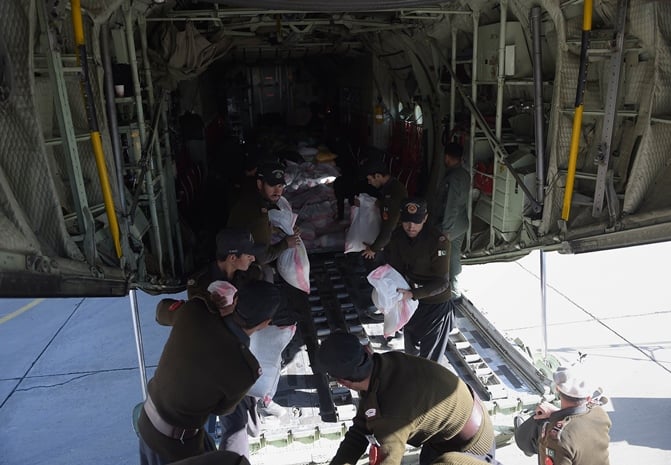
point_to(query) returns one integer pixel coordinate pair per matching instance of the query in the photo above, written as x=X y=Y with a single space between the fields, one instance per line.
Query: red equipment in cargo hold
x=483 y=178
x=405 y=151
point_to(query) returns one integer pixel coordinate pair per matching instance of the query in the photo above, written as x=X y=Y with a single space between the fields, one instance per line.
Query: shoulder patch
x=264 y=210
x=370 y=413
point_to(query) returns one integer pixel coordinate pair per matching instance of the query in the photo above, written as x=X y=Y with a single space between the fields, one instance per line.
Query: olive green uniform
x=205 y=368
x=424 y=262
x=576 y=439
x=398 y=409
x=251 y=212
x=452 y=214
x=391 y=197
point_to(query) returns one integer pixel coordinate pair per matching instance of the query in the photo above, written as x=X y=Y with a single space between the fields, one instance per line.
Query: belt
x=163 y=426
x=471 y=427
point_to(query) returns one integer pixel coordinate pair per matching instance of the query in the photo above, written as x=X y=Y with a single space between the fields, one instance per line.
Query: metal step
x=480 y=371
x=59 y=140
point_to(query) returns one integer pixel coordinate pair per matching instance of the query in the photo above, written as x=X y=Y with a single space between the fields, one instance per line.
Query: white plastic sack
x=283 y=204
x=397 y=312
x=267 y=346
x=365 y=225
x=293 y=264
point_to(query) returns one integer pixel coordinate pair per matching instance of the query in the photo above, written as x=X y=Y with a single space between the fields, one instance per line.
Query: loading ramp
x=319 y=411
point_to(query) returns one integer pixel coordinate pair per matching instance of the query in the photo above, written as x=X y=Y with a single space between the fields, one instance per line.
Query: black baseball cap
x=342 y=356
x=375 y=166
x=272 y=174
x=413 y=210
x=237 y=241
x=258 y=301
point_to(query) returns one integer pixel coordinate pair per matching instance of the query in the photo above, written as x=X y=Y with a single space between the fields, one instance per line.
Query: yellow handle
x=96 y=141
x=77 y=23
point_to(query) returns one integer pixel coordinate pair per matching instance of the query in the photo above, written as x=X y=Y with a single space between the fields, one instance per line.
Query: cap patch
x=413 y=210
x=371 y=412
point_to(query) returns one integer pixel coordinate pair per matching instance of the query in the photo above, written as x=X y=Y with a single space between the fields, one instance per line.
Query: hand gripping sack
x=397 y=312
x=293 y=264
x=365 y=224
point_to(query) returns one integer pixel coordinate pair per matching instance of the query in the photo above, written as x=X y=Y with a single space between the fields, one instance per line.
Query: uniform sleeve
x=437 y=206
x=440 y=269
x=392 y=209
x=450 y=211
x=386 y=228
x=392 y=256
x=198 y=283
x=561 y=452
x=273 y=251
x=562 y=455
x=167 y=311
x=353 y=446
x=455 y=189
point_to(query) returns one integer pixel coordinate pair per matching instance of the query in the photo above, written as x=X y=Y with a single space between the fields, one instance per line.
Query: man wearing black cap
x=251 y=211
x=391 y=193
x=441 y=413
x=235 y=255
x=235 y=263
x=421 y=253
x=452 y=209
x=205 y=368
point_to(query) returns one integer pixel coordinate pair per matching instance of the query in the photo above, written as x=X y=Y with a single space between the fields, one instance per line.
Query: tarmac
x=69 y=373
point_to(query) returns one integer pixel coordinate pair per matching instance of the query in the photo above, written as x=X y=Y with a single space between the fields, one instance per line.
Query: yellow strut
x=577 y=117
x=96 y=141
